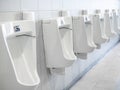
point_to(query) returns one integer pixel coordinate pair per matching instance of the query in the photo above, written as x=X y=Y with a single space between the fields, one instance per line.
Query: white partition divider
x=58 y=43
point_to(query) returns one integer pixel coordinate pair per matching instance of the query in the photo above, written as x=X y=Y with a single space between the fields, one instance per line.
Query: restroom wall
x=46 y=9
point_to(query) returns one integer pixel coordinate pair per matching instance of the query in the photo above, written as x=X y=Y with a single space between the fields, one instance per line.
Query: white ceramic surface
x=20 y=41
x=107 y=25
x=58 y=43
x=114 y=22
x=82 y=37
x=98 y=37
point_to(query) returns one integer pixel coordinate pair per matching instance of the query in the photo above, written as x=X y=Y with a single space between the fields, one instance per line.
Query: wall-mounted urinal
x=89 y=32
x=107 y=25
x=58 y=43
x=98 y=37
x=118 y=13
x=88 y=28
x=114 y=22
x=82 y=35
x=102 y=24
x=20 y=41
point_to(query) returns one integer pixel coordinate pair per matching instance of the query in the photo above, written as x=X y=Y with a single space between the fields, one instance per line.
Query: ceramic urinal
x=20 y=41
x=58 y=43
x=81 y=35
x=114 y=22
x=107 y=25
x=118 y=13
x=98 y=36
x=101 y=17
x=88 y=28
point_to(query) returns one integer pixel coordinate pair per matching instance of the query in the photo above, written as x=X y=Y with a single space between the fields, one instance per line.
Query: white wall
x=46 y=9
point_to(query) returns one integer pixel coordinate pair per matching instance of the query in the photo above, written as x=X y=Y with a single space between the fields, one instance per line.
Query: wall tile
x=29 y=4
x=44 y=14
x=71 y=4
x=45 y=5
x=56 y=5
x=9 y=5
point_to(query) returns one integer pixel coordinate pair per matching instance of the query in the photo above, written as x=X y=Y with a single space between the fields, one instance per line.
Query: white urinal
x=118 y=13
x=88 y=28
x=89 y=32
x=81 y=36
x=102 y=22
x=78 y=54
x=107 y=25
x=20 y=41
x=114 y=22
x=98 y=37
x=58 y=43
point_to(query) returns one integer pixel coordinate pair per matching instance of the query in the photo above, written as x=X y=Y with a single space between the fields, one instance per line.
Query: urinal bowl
x=97 y=32
x=106 y=33
x=114 y=22
x=58 y=44
x=80 y=38
x=107 y=26
x=22 y=56
x=89 y=33
x=21 y=47
x=118 y=17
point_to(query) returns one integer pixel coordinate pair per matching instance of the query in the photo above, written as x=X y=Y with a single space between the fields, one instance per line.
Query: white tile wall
x=46 y=9
x=71 y=4
x=45 y=5
x=56 y=4
x=10 y=5
x=44 y=14
x=29 y=4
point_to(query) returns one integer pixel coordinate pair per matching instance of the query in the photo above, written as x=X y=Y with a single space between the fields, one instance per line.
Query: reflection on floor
x=104 y=76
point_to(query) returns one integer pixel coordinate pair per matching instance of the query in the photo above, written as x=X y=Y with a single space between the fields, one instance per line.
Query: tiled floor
x=104 y=76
